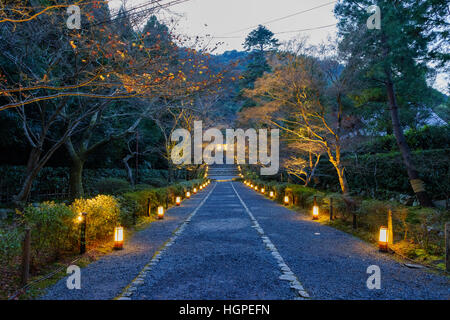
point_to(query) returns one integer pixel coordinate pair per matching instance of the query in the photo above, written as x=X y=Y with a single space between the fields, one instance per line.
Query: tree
x=260 y=39
x=303 y=97
x=257 y=43
x=396 y=53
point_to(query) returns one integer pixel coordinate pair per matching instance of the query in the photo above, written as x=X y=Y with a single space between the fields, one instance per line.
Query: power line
x=282 y=32
x=127 y=14
x=283 y=18
x=310 y=29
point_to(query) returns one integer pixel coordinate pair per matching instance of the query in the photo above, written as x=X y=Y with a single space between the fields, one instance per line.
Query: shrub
x=112 y=186
x=103 y=214
x=53 y=229
x=10 y=245
x=138 y=201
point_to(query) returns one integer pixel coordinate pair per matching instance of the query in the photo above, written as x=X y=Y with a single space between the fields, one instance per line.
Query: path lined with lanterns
x=231 y=241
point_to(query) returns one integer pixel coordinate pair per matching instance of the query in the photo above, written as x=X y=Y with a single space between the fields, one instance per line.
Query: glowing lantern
x=263 y=190
x=256 y=188
x=201 y=187
x=118 y=238
x=188 y=194
x=271 y=194
x=178 y=201
x=315 y=212
x=286 y=200
x=160 y=212
x=384 y=239
x=195 y=190
x=251 y=186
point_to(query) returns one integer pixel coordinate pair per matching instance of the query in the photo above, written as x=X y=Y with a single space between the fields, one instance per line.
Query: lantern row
x=383 y=238
x=119 y=230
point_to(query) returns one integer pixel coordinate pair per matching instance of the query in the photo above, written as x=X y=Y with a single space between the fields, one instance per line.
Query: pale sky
x=229 y=18
x=230 y=21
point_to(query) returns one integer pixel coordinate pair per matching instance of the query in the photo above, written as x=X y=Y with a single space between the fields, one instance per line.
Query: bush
x=53 y=230
x=112 y=186
x=52 y=180
x=425 y=138
x=384 y=176
x=10 y=245
x=103 y=214
x=139 y=200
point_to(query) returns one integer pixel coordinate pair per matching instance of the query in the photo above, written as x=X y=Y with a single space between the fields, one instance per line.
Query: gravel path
x=232 y=243
x=106 y=278
x=332 y=264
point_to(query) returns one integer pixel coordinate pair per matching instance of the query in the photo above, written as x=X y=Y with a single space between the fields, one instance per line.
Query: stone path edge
x=287 y=274
x=129 y=290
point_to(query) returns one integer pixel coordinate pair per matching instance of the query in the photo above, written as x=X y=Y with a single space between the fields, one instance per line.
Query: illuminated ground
x=237 y=247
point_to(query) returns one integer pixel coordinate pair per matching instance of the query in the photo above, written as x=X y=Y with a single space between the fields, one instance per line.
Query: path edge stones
x=286 y=272
x=129 y=290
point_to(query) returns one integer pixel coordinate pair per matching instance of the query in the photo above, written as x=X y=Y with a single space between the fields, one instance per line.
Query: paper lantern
x=383 y=239
x=118 y=238
x=160 y=212
x=315 y=212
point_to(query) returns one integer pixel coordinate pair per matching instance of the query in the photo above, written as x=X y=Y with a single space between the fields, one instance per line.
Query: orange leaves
x=120 y=53
x=72 y=44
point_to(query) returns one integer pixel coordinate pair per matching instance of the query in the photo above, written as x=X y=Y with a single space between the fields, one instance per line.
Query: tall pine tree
x=397 y=53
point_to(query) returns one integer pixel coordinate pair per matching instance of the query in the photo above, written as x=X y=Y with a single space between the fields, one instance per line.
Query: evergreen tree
x=395 y=54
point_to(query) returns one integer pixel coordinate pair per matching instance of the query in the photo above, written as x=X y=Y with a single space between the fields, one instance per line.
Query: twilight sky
x=232 y=20
x=229 y=21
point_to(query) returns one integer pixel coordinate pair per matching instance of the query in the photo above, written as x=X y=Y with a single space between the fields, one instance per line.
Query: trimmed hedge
x=425 y=138
x=55 y=230
x=140 y=200
x=384 y=176
x=51 y=179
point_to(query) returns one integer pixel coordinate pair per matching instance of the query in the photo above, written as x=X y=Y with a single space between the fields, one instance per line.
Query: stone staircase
x=223 y=172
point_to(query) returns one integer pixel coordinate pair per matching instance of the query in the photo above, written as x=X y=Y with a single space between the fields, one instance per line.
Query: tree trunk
x=128 y=168
x=24 y=193
x=32 y=171
x=417 y=184
x=342 y=179
x=170 y=172
x=76 y=178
